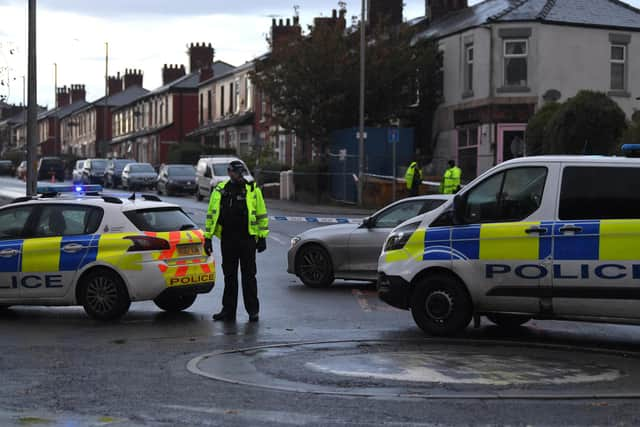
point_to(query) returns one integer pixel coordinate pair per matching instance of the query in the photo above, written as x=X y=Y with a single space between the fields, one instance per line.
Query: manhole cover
x=435 y=369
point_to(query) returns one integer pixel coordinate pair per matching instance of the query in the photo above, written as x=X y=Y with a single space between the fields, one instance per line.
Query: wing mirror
x=368 y=222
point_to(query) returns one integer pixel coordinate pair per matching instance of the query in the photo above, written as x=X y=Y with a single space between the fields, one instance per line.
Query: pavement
x=318 y=357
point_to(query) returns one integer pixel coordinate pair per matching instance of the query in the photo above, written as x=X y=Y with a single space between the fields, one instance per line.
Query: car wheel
x=104 y=295
x=175 y=303
x=441 y=305
x=508 y=321
x=313 y=267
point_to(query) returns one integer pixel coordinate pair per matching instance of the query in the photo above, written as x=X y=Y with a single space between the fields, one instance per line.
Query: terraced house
x=503 y=59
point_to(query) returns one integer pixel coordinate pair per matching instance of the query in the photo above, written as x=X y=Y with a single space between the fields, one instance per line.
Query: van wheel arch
x=433 y=271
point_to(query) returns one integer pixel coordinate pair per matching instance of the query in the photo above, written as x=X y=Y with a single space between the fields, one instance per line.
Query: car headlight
x=400 y=236
x=295 y=241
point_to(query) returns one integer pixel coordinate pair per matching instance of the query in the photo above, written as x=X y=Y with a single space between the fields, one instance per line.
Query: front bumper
x=181 y=188
x=394 y=290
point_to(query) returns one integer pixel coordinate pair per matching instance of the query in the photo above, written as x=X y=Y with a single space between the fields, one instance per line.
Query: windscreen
x=98 y=164
x=142 y=169
x=182 y=171
x=120 y=164
x=220 y=169
x=161 y=220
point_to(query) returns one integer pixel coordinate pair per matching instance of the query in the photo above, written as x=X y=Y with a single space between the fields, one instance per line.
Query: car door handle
x=570 y=229
x=72 y=248
x=536 y=230
x=8 y=253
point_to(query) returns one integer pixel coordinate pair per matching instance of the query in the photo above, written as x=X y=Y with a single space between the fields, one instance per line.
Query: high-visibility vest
x=451 y=180
x=256 y=208
x=412 y=173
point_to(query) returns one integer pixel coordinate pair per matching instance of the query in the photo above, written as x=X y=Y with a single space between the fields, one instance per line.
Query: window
x=263 y=107
x=209 y=106
x=468 y=69
x=599 y=193
x=160 y=220
x=248 y=93
x=515 y=63
x=231 y=98
x=222 y=112
x=237 y=95
x=244 y=136
x=618 y=67
x=398 y=214
x=512 y=195
x=67 y=220
x=201 y=108
x=13 y=222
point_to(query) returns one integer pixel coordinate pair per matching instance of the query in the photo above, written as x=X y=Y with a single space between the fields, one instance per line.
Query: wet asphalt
x=57 y=367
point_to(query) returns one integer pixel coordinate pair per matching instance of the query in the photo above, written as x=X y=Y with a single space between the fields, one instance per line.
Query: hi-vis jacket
x=413 y=173
x=451 y=180
x=258 y=218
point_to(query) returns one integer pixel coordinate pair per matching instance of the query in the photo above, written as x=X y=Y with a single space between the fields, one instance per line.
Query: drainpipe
x=491 y=88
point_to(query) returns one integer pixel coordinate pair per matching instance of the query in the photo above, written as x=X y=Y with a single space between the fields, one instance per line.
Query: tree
x=588 y=123
x=313 y=85
x=537 y=129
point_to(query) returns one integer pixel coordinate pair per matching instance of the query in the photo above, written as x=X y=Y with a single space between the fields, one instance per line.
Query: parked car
x=174 y=179
x=351 y=251
x=139 y=176
x=51 y=167
x=93 y=172
x=76 y=175
x=210 y=172
x=21 y=171
x=6 y=167
x=113 y=172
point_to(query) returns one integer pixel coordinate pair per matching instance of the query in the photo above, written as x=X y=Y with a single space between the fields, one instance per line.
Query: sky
x=142 y=34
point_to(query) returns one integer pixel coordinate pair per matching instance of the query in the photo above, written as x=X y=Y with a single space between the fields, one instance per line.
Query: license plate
x=189 y=250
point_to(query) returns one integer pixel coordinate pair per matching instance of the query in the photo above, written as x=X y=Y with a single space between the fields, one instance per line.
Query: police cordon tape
x=315 y=220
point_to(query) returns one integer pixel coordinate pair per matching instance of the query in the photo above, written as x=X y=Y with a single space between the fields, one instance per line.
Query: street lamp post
x=32 y=109
x=361 y=135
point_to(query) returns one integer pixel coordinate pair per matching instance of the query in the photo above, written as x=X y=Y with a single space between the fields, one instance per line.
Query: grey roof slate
x=600 y=13
x=62 y=112
x=120 y=98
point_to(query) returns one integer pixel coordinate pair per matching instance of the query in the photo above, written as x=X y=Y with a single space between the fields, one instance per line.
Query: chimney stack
x=282 y=35
x=78 y=93
x=436 y=9
x=200 y=56
x=172 y=73
x=115 y=84
x=336 y=22
x=132 y=78
x=62 y=97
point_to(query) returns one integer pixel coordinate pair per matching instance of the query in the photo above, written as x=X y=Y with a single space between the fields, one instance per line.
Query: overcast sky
x=142 y=34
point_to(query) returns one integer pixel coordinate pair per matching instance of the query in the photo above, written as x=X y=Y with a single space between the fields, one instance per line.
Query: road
x=57 y=367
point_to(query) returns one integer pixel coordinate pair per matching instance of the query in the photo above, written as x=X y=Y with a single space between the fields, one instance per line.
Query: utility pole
x=361 y=135
x=55 y=84
x=32 y=109
x=105 y=116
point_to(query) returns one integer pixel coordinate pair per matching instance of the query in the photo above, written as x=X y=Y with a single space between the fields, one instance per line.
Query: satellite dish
x=552 y=95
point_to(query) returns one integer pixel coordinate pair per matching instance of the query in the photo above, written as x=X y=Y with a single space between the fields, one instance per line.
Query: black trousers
x=241 y=253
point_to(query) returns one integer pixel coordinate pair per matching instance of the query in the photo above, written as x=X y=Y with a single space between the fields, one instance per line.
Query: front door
x=596 y=243
x=13 y=225
x=501 y=252
x=511 y=142
x=365 y=243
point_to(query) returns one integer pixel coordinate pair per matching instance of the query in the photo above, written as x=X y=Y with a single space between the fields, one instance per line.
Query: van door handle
x=72 y=248
x=536 y=230
x=570 y=229
x=8 y=253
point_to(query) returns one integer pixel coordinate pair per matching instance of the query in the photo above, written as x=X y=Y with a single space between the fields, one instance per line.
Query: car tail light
x=147 y=243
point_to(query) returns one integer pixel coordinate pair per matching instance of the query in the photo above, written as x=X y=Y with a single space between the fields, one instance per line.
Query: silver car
x=351 y=251
x=139 y=176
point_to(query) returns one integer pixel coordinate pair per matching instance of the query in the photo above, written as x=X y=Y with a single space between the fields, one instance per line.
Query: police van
x=73 y=246
x=555 y=237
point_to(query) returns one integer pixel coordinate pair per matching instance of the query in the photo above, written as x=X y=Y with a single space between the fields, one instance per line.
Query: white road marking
x=277 y=239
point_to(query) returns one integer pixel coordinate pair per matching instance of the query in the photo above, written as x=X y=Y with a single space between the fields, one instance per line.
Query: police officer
x=237 y=215
x=451 y=179
x=414 y=178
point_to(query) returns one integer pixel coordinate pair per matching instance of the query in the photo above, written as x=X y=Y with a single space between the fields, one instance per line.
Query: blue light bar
x=68 y=189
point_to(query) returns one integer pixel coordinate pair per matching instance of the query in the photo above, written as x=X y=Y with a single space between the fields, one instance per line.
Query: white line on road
x=275 y=238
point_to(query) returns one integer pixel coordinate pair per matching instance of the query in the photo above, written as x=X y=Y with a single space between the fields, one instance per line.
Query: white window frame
x=468 y=67
x=622 y=61
x=506 y=56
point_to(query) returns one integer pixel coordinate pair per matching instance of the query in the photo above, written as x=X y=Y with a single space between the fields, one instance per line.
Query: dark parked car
x=174 y=179
x=93 y=172
x=113 y=173
x=21 y=172
x=6 y=167
x=50 y=167
x=139 y=176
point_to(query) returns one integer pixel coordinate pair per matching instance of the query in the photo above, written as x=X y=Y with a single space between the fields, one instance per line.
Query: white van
x=210 y=172
x=538 y=237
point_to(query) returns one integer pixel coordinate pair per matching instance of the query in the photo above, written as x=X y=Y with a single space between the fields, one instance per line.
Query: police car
x=541 y=237
x=73 y=246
